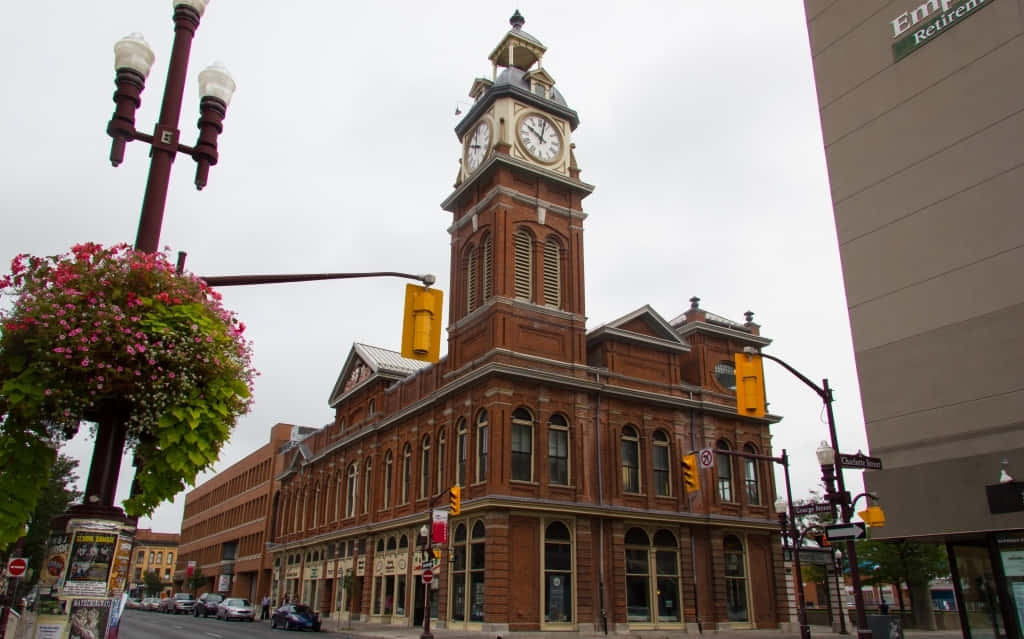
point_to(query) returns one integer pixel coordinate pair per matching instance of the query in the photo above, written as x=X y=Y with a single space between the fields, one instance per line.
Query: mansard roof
x=366 y=363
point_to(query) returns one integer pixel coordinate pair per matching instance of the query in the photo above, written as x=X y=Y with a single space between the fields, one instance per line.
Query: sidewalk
x=360 y=630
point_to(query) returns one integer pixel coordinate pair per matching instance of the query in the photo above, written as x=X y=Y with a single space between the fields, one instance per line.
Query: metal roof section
x=380 y=362
x=664 y=336
x=708 y=322
x=518 y=49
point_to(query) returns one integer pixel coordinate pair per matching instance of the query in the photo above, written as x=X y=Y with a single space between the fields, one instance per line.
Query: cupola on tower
x=517 y=230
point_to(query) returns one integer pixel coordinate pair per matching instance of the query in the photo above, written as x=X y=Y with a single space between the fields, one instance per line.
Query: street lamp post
x=832 y=474
x=788 y=526
x=837 y=563
x=133 y=59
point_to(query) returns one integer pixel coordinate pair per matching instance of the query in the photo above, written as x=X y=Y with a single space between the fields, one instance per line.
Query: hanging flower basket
x=102 y=333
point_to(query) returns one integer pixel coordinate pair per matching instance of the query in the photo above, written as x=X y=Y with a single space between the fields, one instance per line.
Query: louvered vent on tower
x=523 y=265
x=552 y=275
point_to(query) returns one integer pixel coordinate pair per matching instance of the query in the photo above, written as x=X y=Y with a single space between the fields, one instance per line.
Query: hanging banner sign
x=439 y=527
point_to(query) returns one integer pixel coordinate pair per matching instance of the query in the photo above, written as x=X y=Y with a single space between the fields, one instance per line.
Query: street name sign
x=815 y=508
x=860 y=460
x=846 y=532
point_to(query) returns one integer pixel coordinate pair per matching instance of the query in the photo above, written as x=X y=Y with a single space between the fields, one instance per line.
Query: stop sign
x=428 y=576
x=16 y=567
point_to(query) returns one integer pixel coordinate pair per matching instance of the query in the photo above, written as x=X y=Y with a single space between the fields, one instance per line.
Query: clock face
x=540 y=137
x=478 y=145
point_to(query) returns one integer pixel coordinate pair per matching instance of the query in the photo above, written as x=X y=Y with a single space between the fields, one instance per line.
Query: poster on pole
x=88 y=569
x=439 y=527
x=89 y=618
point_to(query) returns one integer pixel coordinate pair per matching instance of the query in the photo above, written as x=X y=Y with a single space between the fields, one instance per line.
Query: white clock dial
x=540 y=137
x=478 y=145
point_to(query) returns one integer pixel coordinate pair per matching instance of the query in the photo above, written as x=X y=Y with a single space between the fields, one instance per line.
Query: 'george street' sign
x=814 y=508
x=860 y=460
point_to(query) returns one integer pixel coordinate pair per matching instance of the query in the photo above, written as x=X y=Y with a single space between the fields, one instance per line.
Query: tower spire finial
x=517 y=20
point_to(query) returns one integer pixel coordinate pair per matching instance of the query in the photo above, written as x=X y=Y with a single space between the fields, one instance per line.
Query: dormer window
x=540 y=89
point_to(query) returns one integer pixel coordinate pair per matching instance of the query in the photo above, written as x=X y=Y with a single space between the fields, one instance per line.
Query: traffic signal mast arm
x=246 y=280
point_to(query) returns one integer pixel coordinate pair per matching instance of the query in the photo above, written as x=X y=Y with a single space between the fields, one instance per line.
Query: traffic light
x=823 y=541
x=750 y=385
x=873 y=516
x=421 y=325
x=455 y=500
x=691 y=473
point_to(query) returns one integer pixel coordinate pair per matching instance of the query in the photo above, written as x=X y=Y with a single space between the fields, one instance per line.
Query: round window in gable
x=725 y=375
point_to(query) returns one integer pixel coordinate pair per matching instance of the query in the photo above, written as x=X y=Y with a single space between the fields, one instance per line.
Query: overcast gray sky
x=698 y=126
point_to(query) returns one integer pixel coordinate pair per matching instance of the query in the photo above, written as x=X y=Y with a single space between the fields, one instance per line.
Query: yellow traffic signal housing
x=455 y=500
x=750 y=400
x=691 y=473
x=437 y=553
x=421 y=325
x=873 y=516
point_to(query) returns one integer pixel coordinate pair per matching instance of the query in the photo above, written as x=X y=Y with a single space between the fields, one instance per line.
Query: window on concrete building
x=735 y=580
x=630 y=444
x=523 y=264
x=406 y=472
x=424 y=487
x=659 y=462
x=387 y=479
x=552 y=274
x=350 y=490
x=522 y=445
x=468 y=573
x=481 y=446
x=558 y=450
x=558 y=596
x=724 y=466
x=750 y=477
x=460 y=451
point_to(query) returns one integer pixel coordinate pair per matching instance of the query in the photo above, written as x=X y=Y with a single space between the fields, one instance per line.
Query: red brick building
x=227 y=522
x=566 y=442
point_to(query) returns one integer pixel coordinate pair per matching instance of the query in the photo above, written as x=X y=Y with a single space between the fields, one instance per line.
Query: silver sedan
x=235 y=608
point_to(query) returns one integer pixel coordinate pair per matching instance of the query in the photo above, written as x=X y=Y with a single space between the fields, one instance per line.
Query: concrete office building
x=922 y=112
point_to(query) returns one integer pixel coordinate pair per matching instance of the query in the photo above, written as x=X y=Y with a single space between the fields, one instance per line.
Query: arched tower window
x=724 y=464
x=659 y=460
x=481 y=446
x=552 y=274
x=522 y=445
x=558 y=450
x=523 y=265
x=750 y=478
x=630 y=442
x=472 y=279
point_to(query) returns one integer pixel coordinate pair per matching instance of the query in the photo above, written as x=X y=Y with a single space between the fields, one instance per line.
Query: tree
x=57 y=494
x=896 y=562
x=195 y=582
x=152 y=583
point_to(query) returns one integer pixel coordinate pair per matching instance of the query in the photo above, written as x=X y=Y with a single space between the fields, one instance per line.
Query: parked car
x=235 y=608
x=133 y=603
x=207 y=603
x=295 y=617
x=151 y=603
x=180 y=602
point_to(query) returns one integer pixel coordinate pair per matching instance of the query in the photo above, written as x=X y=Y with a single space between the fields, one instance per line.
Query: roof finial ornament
x=517 y=20
x=750 y=316
x=694 y=303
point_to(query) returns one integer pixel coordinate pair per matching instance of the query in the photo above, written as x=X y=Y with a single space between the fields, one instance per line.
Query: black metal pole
x=837 y=566
x=801 y=611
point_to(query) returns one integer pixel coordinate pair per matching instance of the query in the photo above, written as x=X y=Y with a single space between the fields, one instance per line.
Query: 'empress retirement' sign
x=927 y=21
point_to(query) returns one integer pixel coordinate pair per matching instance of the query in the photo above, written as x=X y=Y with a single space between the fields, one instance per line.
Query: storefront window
x=557 y=574
x=666 y=562
x=468 y=561
x=638 y=581
x=735 y=580
x=978 y=589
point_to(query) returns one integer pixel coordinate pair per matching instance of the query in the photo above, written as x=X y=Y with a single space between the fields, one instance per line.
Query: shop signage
x=1006 y=497
x=920 y=25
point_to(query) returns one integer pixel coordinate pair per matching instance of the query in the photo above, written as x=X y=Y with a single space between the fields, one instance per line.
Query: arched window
x=666 y=565
x=468 y=559
x=522 y=445
x=638 y=576
x=558 y=450
x=523 y=264
x=660 y=559
x=367 y=484
x=552 y=274
x=442 y=447
x=387 y=479
x=337 y=497
x=316 y=506
x=485 y=267
x=630 y=460
x=406 y=472
x=371 y=408
x=558 y=596
x=735 y=580
x=659 y=462
x=750 y=477
x=460 y=451
x=481 y=446
x=470 y=261
x=724 y=464
x=350 y=491
x=424 y=466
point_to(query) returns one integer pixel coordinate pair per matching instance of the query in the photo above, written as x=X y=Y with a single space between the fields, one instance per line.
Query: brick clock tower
x=517 y=230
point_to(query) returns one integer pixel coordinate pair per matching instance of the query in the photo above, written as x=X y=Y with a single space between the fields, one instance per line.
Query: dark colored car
x=207 y=604
x=235 y=608
x=181 y=602
x=295 y=617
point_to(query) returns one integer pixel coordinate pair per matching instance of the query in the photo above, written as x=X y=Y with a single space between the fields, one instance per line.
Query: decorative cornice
x=519 y=196
x=508 y=160
x=704 y=327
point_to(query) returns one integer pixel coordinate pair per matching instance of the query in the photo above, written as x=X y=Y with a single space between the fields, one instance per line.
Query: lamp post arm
x=817 y=389
x=246 y=280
